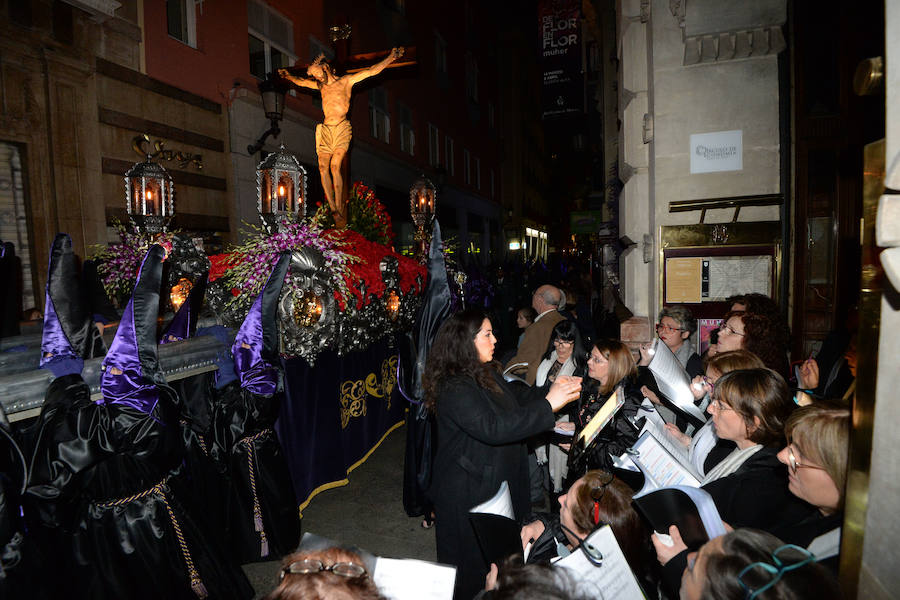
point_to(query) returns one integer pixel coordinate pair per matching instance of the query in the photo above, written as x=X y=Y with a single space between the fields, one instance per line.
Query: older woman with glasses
x=675 y=326
x=748 y=564
x=594 y=500
x=816 y=456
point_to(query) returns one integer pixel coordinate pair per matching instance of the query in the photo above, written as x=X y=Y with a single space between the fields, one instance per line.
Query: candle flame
x=281 y=190
x=149 y=194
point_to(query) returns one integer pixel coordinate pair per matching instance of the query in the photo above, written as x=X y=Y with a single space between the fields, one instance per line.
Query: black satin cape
x=419 y=458
x=262 y=521
x=110 y=498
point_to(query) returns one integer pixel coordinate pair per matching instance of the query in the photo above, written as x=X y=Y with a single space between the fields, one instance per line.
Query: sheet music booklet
x=673 y=382
x=601 y=419
x=662 y=460
x=613 y=578
x=691 y=509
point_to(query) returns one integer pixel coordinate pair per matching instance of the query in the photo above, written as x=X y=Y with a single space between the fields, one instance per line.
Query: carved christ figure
x=334 y=134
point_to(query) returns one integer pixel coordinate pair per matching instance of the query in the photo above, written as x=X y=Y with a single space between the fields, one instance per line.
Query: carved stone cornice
x=716 y=31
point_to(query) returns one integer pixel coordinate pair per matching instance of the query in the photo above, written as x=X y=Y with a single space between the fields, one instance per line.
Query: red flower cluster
x=368 y=270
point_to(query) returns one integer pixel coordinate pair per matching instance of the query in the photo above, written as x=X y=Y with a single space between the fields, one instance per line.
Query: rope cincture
x=257 y=511
x=160 y=490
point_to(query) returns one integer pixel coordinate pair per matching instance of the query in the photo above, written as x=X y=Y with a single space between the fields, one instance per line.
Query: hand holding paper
x=666 y=552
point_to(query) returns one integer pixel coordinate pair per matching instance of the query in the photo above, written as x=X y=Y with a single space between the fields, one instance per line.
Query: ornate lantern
x=149 y=196
x=280 y=188
x=422 y=206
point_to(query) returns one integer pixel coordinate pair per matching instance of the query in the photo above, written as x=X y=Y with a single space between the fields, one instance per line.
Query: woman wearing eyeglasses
x=816 y=457
x=329 y=574
x=749 y=486
x=564 y=356
x=747 y=564
x=706 y=450
x=609 y=364
x=482 y=424
x=675 y=326
x=756 y=333
x=594 y=500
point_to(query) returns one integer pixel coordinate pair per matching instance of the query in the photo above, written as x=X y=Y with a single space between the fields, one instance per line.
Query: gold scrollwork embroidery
x=353 y=393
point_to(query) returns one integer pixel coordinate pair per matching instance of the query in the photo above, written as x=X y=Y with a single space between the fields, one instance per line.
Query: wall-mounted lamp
x=272 y=89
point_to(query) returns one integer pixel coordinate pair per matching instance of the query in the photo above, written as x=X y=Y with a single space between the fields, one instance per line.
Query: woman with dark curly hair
x=482 y=423
x=756 y=333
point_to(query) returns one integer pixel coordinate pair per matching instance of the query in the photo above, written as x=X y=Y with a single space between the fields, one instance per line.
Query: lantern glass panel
x=285 y=193
x=266 y=195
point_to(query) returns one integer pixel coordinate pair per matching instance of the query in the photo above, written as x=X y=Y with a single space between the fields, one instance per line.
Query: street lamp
x=422 y=206
x=272 y=89
x=280 y=189
x=149 y=196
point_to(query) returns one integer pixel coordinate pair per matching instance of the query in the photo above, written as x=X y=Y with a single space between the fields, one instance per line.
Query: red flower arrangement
x=366 y=215
x=368 y=270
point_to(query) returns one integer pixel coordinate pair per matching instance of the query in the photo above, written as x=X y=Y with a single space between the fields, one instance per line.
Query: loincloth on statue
x=331 y=138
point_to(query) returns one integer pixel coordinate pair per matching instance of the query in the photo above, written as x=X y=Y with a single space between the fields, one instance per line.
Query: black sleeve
x=464 y=403
x=672 y=572
x=694 y=366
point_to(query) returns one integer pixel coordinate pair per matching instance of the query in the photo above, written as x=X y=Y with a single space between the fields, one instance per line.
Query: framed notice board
x=703 y=265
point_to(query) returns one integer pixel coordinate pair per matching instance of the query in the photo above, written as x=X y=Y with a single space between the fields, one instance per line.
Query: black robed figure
x=414 y=351
x=107 y=486
x=262 y=518
x=238 y=470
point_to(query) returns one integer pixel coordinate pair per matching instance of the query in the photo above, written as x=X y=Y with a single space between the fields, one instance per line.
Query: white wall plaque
x=717 y=151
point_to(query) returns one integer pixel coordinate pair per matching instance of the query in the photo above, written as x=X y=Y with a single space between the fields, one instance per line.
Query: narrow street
x=367 y=513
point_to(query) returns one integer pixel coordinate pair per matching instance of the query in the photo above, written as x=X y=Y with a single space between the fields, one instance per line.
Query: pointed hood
x=435 y=310
x=255 y=348
x=134 y=350
x=184 y=323
x=67 y=321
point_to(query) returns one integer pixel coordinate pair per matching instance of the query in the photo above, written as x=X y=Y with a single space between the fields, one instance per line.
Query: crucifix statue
x=334 y=134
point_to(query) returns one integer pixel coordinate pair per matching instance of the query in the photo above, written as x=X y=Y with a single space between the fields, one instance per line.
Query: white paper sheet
x=408 y=579
x=612 y=579
x=498 y=504
x=673 y=380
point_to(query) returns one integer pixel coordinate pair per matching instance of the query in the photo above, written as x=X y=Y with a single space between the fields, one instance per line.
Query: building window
x=448 y=155
x=467 y=171
x=181 y=21
x=407 y=133
x=271 y=40
x=440 y=54
x=379 y=117
x=478 y=173
x=434 y=146
x=471 y=77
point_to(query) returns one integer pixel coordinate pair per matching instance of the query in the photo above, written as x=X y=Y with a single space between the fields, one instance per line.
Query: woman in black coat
x=610 y=365
x=482 y=423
